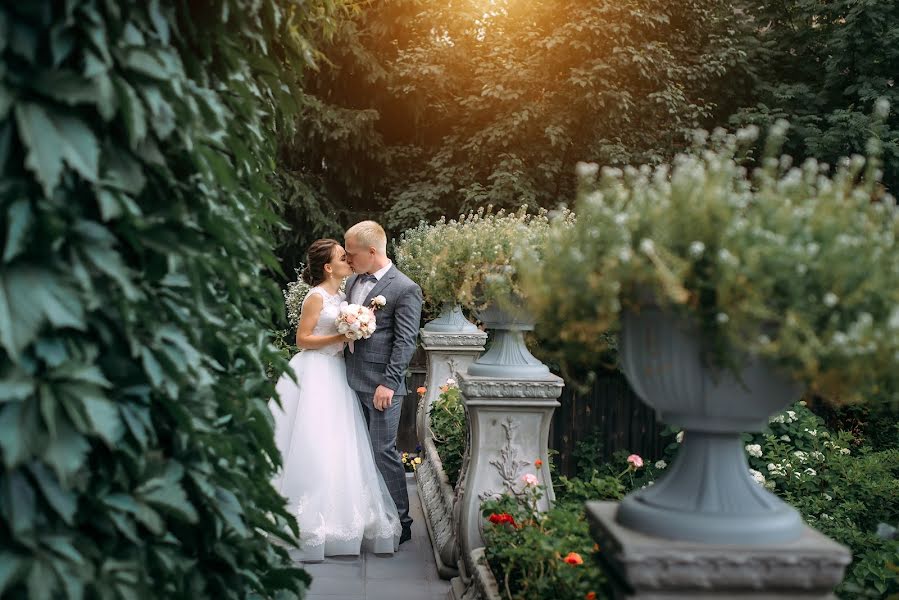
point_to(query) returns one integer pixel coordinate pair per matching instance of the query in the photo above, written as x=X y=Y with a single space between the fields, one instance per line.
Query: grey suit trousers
x=382 y=429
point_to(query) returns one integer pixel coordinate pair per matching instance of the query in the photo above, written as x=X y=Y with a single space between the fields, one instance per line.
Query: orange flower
x=444 y=388
x=590 y=596
x=574 y=558
x=538 y=463
x=422 y=391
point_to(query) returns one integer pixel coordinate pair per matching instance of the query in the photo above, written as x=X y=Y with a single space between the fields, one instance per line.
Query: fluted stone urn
x=706 y=529
x=451 y=343
x=508 y=356
x=708 y=494
x=450 y=320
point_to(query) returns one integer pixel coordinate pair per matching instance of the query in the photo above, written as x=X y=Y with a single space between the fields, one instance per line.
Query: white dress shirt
x=361 y=290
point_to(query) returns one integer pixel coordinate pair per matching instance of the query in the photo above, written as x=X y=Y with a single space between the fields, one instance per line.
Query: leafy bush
x=792 y=264
x=469 y=261
x=135 y=439
x=841 y=486
x=448 y=428
x=538 y=555
x=542 y=555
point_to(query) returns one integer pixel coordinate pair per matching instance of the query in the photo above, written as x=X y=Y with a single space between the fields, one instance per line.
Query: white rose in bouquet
x=355 y=322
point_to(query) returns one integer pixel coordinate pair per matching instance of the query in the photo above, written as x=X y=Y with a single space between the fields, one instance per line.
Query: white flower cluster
x=754 y=450
x=787 y=417
x=757 y=476
x=293 y=298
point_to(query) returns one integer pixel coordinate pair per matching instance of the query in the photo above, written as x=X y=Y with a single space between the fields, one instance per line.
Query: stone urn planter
x=508 y=356
x=451 y=320
x=708 y=494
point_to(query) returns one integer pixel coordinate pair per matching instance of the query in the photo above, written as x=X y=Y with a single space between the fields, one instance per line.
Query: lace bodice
x=326 y=320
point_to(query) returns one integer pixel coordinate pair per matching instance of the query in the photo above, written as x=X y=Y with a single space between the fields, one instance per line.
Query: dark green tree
x=822 y=66
x=429 y=108
x=135 y=229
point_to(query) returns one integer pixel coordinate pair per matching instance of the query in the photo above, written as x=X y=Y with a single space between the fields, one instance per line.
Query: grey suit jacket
x=383 y=358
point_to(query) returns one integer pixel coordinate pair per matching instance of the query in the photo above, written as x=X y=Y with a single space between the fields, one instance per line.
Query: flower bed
x=448 y=429
x=841 y=486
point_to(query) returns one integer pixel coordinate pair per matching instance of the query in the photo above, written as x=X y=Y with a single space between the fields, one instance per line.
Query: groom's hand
x=383 y=398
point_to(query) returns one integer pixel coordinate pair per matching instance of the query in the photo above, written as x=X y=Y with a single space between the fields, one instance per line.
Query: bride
x=329 y=476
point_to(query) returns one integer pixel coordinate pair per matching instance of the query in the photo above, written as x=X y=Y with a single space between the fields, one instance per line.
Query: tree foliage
x=823 y=66
x=135 y=223
x=430 y=108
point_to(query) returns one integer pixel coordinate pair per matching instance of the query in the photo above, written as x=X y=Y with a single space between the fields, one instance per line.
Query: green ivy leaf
x=133 y=112
x=29 y=297
x=23 y=41
x=166 y=493
x=64 y=502
x=42 y=582
x=20 y=218
x=12 y=566
x=17 y=433
x=15 y=385
x=66 y=87
x=102 y=413
x=53 y=139
x=160 y=23
x=67 y=452
x=18 y=497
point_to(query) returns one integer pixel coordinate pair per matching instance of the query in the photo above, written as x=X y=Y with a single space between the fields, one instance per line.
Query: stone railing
x=449 y=353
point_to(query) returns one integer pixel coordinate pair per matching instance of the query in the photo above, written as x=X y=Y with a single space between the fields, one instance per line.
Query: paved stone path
x=410 y=574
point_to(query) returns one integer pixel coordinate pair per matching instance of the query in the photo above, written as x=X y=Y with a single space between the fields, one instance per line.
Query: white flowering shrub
x=293 y=297
x=471 y=260
x=795 y=264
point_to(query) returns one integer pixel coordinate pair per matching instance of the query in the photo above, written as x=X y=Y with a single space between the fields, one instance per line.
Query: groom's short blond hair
x=368 y=234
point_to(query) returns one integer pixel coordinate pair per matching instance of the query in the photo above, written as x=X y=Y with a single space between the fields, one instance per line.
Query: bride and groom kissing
x=336 y=425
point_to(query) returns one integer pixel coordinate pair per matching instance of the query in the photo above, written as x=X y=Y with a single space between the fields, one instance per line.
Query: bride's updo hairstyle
x=318 y=255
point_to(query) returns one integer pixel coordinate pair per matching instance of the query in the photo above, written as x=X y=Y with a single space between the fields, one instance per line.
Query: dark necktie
x=368 y=277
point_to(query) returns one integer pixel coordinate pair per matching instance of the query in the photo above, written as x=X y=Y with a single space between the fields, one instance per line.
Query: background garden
x=165 y=165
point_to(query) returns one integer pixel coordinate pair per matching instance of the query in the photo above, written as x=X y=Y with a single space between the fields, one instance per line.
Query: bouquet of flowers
x=356 y=322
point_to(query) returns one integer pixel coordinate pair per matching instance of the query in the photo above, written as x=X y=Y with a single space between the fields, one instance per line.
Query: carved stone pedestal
x=449 y=353
x=643 y=567
x=508 y=423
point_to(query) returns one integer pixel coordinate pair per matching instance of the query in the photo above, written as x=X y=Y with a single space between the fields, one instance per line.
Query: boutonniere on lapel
x=378 y=302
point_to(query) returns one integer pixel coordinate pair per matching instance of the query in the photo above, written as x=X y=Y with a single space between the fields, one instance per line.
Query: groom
x=376 y=368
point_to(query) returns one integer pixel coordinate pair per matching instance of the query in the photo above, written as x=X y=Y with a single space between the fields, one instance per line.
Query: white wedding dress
x=329 y=476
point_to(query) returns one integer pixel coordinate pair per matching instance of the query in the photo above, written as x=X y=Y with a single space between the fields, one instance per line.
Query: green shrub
x=840 y=485
x=528 y=555
x=448 y=428
x=135 y=440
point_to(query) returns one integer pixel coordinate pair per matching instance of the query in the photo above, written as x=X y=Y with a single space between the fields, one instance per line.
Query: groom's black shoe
x=406 y=535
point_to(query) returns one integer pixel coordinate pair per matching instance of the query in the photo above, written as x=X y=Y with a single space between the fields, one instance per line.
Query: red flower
x=574 y=558
x=501 y=518
x=538 y=463
x=590 y=596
